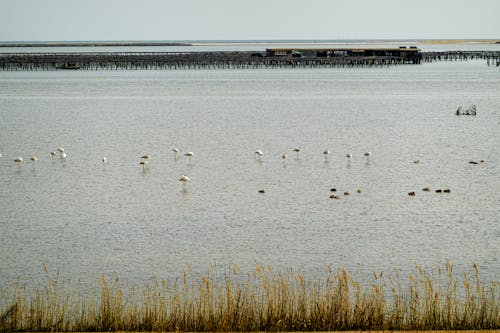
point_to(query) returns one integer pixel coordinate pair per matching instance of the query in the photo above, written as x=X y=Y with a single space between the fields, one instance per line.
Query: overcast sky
x=34 y=20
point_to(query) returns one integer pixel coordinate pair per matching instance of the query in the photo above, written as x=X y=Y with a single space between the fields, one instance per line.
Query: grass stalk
x=262 y=300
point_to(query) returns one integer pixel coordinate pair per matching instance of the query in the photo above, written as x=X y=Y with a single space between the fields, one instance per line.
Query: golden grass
x=263 y=300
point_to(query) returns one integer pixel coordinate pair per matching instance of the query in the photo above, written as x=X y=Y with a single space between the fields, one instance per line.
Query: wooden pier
x=271 y=58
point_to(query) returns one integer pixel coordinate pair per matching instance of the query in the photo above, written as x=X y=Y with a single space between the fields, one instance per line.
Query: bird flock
x=258 y=155
x=145 y=161
x=59 y=152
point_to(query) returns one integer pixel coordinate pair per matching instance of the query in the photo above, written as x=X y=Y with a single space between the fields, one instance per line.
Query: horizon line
x=488 y=39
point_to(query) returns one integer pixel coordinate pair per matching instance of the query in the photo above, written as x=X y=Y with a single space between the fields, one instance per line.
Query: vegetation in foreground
x=261 y=301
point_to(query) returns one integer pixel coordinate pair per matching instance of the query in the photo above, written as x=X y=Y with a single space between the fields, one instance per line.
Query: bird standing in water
x=184 y=179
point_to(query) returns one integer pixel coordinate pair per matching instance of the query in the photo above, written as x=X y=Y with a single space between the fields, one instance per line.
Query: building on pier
x=404 y=54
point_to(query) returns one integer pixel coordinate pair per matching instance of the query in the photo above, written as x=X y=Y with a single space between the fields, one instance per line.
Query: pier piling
x=305 y=58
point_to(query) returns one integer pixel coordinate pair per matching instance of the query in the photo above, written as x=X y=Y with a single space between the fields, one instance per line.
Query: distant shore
x=239 y=42
x=458 y=41
x=71 y=44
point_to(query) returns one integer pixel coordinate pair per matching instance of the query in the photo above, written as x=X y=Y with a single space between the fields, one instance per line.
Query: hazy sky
x=238 y=19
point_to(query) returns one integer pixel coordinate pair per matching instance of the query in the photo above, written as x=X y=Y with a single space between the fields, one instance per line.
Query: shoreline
x=264 y=300
x=90 y=44
x=457 y=41
x=246 y=42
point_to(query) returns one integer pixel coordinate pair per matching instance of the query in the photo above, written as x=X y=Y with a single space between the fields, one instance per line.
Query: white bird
x=146 y=157
x=61 y=150
x=184 y=179
x=34 y=158
x=189 y=154
x=104 y=160
x=19 y=160
x=176 y=152
x=144 y=164
x=326 y=152
x=53 y=154
x=259 y=154
x=297 y=150
x=63 y=156
x=348 y=155
x=368 y=154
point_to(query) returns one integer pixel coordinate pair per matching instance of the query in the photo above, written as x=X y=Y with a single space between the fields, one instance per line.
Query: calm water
x=206 y=46
x=81 y=218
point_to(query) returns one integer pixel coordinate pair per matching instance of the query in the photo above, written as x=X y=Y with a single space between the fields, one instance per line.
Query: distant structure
x=403 y=54
x=270 y=58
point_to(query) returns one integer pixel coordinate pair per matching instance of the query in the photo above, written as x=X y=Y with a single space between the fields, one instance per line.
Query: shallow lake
x=82 y=218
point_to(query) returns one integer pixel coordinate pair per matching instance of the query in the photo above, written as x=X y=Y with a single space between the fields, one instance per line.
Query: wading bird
x=176 y=152
x=297 y=150
x=33 y=159
x=190 y=155
x=348 y=155
x=368 y=154
x=326 y=152
x=144 y=164
x=184 y=179
x=145 y=158
x=19 y=160
x=53 y=154
x=259 y=154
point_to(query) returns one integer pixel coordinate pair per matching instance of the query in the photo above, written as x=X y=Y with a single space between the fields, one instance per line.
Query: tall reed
x=262 y=300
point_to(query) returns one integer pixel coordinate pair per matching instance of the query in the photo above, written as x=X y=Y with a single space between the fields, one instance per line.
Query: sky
x=74 y=20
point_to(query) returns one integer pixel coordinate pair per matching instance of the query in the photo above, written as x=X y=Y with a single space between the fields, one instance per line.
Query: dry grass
x=260 y=301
